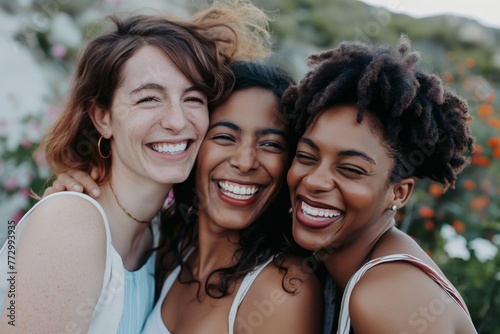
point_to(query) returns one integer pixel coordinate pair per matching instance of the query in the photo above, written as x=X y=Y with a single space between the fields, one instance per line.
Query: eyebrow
x=271 y=131
x=155 y=86
x=261 y=132
x=344 y=153
x=149 y=85
x=226 y=124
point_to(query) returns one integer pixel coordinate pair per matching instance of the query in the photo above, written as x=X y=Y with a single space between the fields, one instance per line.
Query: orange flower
x=485 y=110
x=490 y=98
x=428 y=225
x=481 y=160
x=435 y=190
x=469 y=63
x=479 y=203
x=494 y=141
x=494 y=123
x=426 y=212
x=450 y=55
x=496 y=152
x=448 y=77
x=458 y=226
x=478 y=149
x=469 y=185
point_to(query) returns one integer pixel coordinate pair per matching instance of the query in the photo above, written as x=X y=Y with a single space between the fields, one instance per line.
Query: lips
x=316 y=215
x=169 y=148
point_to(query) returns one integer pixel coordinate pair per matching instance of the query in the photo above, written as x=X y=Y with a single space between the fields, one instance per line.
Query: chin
x=310 y=242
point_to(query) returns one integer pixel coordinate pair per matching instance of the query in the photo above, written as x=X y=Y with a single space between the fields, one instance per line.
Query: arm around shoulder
x=60 y=266
x=268 y=308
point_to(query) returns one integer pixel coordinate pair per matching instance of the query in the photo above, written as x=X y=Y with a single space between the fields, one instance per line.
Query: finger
x=67 y=182
x=86 y=181
x=94 y=174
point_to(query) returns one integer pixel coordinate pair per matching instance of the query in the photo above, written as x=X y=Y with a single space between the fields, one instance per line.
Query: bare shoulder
x=61 y=255
x=399 y=297
x=68 y=220
x=287 y=297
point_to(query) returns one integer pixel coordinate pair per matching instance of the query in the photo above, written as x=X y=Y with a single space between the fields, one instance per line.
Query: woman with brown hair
x=137 y=113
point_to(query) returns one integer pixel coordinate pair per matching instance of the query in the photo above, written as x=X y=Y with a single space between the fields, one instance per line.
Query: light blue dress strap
x=154 y=323
x=242 y=291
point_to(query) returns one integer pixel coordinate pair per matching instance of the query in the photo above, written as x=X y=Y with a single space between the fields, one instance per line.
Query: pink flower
x=25 y=192
x=26 y=143
x=59 y=51
x=16 y=217
x=10 y=183
x=40 y=159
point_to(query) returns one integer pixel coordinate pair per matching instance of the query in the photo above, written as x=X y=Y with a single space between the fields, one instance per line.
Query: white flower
x=456 y=247
x=447 y=232
x=483 y=249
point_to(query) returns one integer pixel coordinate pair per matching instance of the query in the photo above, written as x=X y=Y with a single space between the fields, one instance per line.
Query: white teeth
x=316 y=212
x=169 y=148
x=238 y=192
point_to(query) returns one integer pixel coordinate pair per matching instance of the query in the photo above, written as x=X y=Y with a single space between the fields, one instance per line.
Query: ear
x=102 y=119
x=402 y=191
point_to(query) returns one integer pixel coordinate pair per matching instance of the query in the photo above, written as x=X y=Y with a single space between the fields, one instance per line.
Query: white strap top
x=344 y=326
x=155 y=324
x=125 y=296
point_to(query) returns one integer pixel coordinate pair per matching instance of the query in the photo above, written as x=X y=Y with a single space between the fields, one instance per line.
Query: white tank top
x=155 y=324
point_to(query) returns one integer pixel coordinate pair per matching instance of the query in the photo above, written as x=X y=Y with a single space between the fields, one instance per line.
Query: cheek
x=276 y=166
x=359 y=196
x=200 y=122
x=293 y=176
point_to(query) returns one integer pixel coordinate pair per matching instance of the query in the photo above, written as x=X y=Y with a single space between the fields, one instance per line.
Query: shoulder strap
x=242 y=291
x=344 y=326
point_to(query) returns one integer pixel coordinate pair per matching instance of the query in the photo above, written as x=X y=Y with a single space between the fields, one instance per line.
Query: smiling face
x=157 y=121
x=242 y=161
x=339 y=181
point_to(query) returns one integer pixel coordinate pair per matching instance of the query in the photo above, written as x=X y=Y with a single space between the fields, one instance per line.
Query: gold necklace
x=128 y=214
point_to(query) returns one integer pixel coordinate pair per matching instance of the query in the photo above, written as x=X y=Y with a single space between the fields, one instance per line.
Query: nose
x=174 y=118
x=319 y=180
x=244 y=158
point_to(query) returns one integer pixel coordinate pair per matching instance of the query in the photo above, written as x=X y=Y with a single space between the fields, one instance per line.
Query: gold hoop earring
x=99 y=149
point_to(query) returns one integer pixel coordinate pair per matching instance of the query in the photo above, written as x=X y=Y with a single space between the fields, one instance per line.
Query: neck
x=215 y=249
x=344 y=261
x=130 y=238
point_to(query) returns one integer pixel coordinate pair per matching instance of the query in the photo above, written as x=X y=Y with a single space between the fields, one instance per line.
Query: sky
x=487 y=12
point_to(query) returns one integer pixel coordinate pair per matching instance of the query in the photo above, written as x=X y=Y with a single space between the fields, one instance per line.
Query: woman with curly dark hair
x=371 y=124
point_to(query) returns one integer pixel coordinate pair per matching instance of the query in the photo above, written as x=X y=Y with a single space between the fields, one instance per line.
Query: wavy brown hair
x=201 y=47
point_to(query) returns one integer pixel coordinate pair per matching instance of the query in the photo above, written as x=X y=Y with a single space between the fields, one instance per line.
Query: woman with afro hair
x=371 y=124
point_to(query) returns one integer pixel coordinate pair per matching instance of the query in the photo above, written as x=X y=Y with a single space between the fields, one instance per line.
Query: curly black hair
x=269 y=235
x=423 y=124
